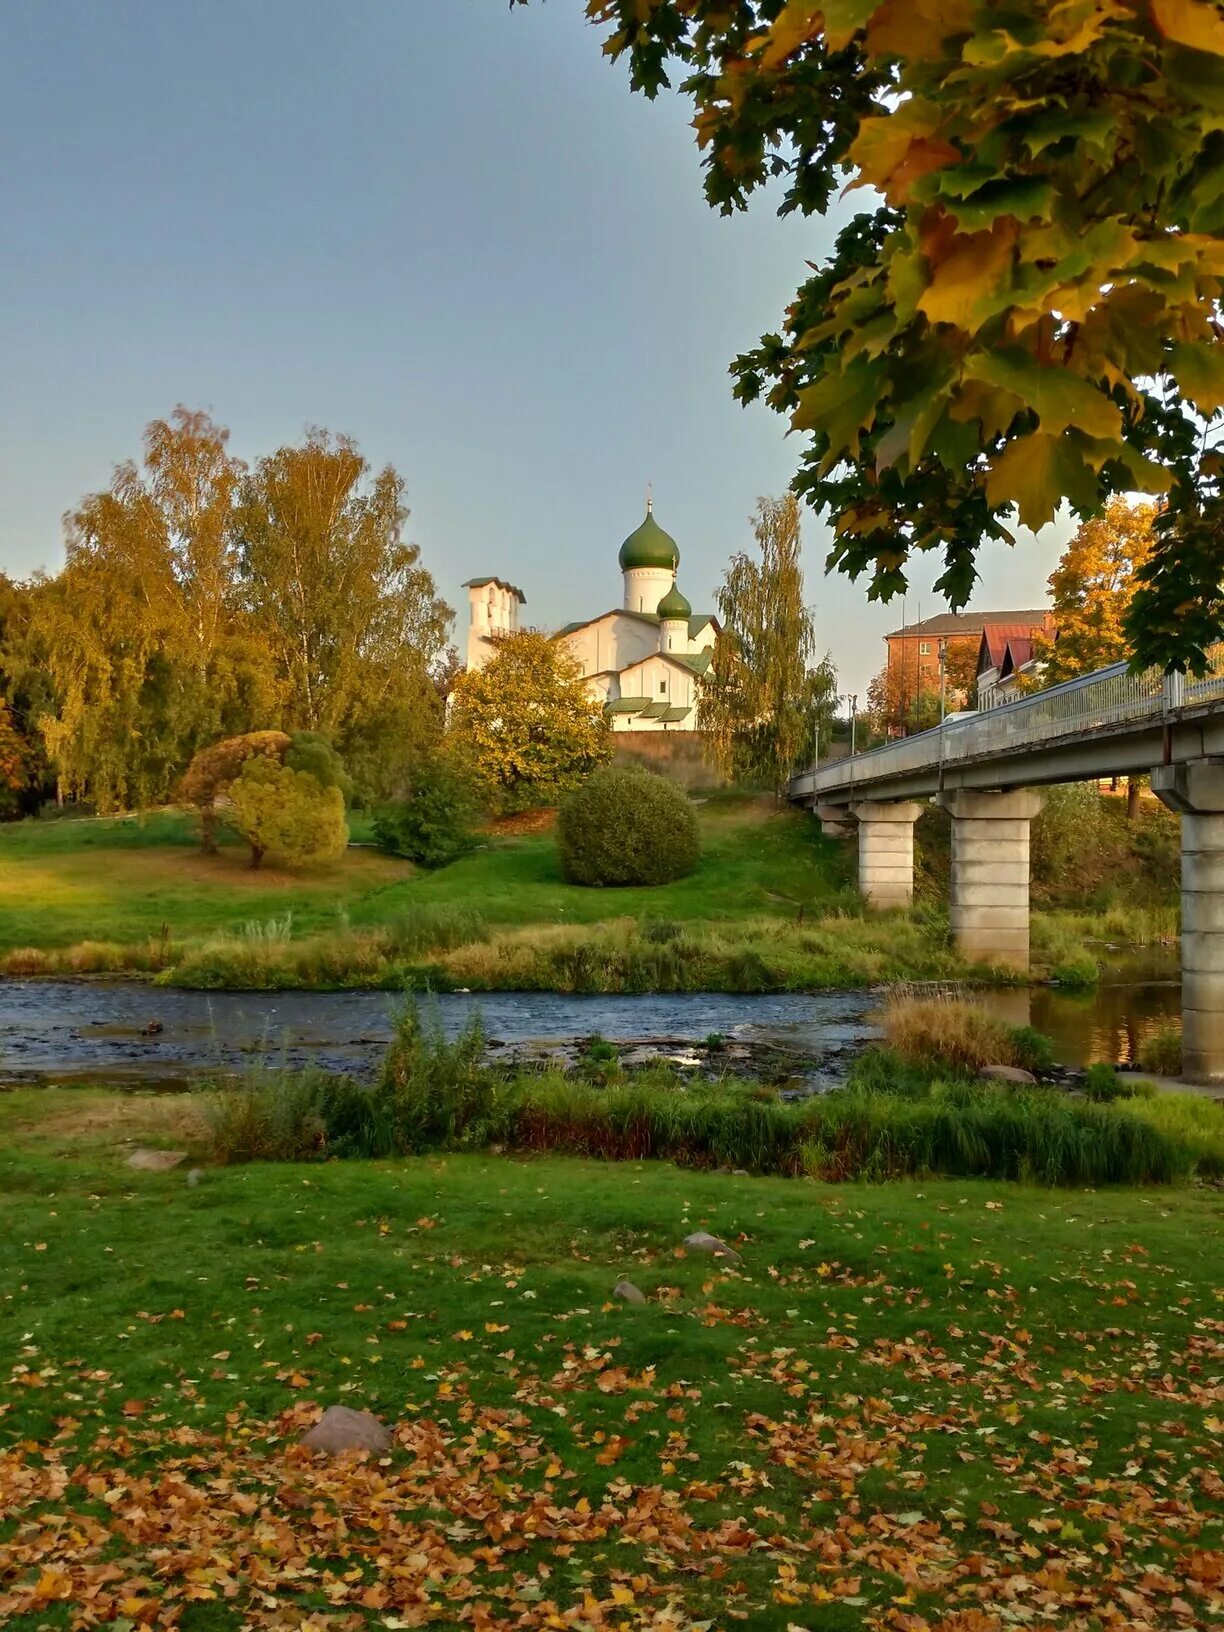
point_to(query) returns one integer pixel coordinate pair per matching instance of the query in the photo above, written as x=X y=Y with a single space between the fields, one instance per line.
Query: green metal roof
x=654 y=711
x=674 y=714
x=674 y=605
x=649 y=546
x=698 y=662
x=627 y=705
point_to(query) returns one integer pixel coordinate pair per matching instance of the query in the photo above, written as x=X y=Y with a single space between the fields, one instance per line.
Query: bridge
x=987 y=769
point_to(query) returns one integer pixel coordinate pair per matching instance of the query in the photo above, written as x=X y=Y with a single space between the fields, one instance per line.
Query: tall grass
x=1161 y=1052
x=946 y=1032
x=432 y=1094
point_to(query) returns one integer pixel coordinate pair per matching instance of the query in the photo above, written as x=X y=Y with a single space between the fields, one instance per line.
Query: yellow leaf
x=967 y=270
x=1035 y=473
x=1192 y=23
x=1198 y=367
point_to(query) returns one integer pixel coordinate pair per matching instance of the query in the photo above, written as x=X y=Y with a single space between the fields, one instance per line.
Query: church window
x=662 y=688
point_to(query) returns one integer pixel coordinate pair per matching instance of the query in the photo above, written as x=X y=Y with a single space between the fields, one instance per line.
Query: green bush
x=270 y=1115
x=435 y=821
x=627 y=827
x=1102 y=1082
x=1031 y=1050
x=1161 y=1053
x=287 y=812
x=313 y=753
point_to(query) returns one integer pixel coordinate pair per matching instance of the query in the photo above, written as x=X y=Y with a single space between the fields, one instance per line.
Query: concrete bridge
x=987 y=770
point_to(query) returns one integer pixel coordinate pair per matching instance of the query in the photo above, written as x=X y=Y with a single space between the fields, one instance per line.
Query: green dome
x=649 y=546
x=674 y=605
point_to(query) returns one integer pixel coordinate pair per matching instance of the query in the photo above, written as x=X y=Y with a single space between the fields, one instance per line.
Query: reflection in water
x=1138 y=995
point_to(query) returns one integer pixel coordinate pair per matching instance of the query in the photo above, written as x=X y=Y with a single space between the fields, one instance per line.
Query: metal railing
x=1094 y=702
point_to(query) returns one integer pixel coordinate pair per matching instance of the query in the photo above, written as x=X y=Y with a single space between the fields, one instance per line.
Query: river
x=129 y=1033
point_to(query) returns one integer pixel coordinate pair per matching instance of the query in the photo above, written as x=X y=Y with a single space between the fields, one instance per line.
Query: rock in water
x=703 y=1241
x=1006 y=1073
x=342 y=1429
x=155 y=1161
x=627 y=1292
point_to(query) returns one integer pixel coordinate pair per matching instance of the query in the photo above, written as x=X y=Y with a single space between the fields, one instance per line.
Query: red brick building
x=914 y=651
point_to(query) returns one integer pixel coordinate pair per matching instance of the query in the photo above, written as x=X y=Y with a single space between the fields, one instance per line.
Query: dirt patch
x=523 y=821
x=72 y=1118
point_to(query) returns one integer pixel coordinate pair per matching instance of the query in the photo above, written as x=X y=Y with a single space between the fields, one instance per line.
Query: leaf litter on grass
x=906 y=1410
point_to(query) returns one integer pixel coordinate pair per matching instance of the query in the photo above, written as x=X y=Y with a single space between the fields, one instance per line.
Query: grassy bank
x=771 y=907
x=905 y=1408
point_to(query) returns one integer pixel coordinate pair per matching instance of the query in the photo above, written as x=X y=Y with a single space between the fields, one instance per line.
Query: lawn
x=945 y=1405
x=130 y=879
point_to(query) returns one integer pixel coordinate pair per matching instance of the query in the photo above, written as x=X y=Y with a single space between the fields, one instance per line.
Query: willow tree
x=1030 y=313
x=765 y=699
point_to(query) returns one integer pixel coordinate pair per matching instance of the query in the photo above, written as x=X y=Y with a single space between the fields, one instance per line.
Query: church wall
x=611 y=642
x=645 y=587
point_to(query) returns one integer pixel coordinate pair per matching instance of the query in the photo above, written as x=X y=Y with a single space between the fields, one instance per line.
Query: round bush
x=627 y=827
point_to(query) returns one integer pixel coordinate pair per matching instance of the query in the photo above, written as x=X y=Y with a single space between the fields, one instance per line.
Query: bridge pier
x=836 y=822
x=1196 y=792
x=989 y=906
x=886 y=851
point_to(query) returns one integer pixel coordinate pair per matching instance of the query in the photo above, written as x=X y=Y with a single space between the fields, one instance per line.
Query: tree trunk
x=1134 y=789
x=208 y=831
x=257 y=855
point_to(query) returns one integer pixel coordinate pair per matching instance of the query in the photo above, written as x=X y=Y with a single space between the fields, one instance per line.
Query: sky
x=450 y=231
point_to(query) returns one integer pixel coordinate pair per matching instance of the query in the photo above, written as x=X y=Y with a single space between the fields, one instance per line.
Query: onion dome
x=674 y=605
x=649 y=546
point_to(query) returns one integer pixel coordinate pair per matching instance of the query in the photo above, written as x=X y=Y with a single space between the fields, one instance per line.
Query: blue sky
x=449 y=230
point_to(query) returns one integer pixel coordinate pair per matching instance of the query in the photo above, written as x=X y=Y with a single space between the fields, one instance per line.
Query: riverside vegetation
x=771 y=906
x=905 y=1407
x=915 y=1106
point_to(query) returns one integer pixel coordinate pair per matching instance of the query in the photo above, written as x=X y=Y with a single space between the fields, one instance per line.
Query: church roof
x=649 y=546
x=674 y=605
x=696 y=623
x=479 y=583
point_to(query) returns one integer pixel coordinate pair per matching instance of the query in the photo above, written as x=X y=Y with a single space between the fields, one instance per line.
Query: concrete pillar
x=1196 y=792
x=989 y=909
x=886 y=851
x=836 y=822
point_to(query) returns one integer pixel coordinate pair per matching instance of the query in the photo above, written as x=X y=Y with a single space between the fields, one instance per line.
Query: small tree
x=288 y=812
x=1092 y=589
x=904 y=697
x=15 y=764
x=627 y=827
x=526 y=724
x=215 y=768
x=765 y=700
x=434 y=822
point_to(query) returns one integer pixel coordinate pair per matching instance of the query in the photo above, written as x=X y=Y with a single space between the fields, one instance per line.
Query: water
x=96 y=1030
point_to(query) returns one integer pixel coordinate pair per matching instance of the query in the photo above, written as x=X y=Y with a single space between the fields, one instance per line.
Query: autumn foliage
x=286 y=812
x=525 y=724
x=215 y=768
x=1092 y=589
x=1031 y=312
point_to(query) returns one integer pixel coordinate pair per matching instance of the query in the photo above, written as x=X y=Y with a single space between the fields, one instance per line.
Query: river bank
x=125 y=1032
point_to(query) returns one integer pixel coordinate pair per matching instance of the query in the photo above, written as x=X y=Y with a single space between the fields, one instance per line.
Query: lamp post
x=943 y=679
x=850 y=698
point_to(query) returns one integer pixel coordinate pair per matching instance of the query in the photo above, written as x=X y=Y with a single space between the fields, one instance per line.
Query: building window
x=662 y=688
x=924 y=648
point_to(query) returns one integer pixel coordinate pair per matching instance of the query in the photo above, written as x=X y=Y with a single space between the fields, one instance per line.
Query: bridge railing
x=1093 y=702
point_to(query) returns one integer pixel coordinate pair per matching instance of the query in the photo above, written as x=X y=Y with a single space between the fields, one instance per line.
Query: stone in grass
x=156 y=1161
x=703 y=1241
x=342 y=1429
x=628 y=1293
x=1006 y=1073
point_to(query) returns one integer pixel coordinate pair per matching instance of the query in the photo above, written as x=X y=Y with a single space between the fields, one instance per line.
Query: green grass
x=921 y=1400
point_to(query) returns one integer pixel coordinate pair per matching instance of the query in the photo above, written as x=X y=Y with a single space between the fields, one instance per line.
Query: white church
x=644 y=660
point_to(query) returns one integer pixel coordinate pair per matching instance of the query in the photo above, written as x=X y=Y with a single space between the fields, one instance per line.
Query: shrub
x=278 y=809
x=313 y=753
x=434 y=823
x=433 y=927
x=270 y=1115
x=1031 y=1050
x=1102 y=1082
x=429 y=1091
x=216 y=767
x=1161 y=1052
x=627 y=827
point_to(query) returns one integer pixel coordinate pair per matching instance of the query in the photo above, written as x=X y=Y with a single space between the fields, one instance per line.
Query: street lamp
x=850 y=698
x=943 y=679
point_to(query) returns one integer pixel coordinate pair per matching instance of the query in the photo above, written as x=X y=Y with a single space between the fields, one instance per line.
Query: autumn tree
x=1031 y=312
x=1092 y=588
x=765 y=699
x=904 y=696
x=525 y=724
x=288 y=813
x=352 y=618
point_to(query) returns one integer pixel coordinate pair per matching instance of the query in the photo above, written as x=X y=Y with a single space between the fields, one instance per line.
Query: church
x=645 y=659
